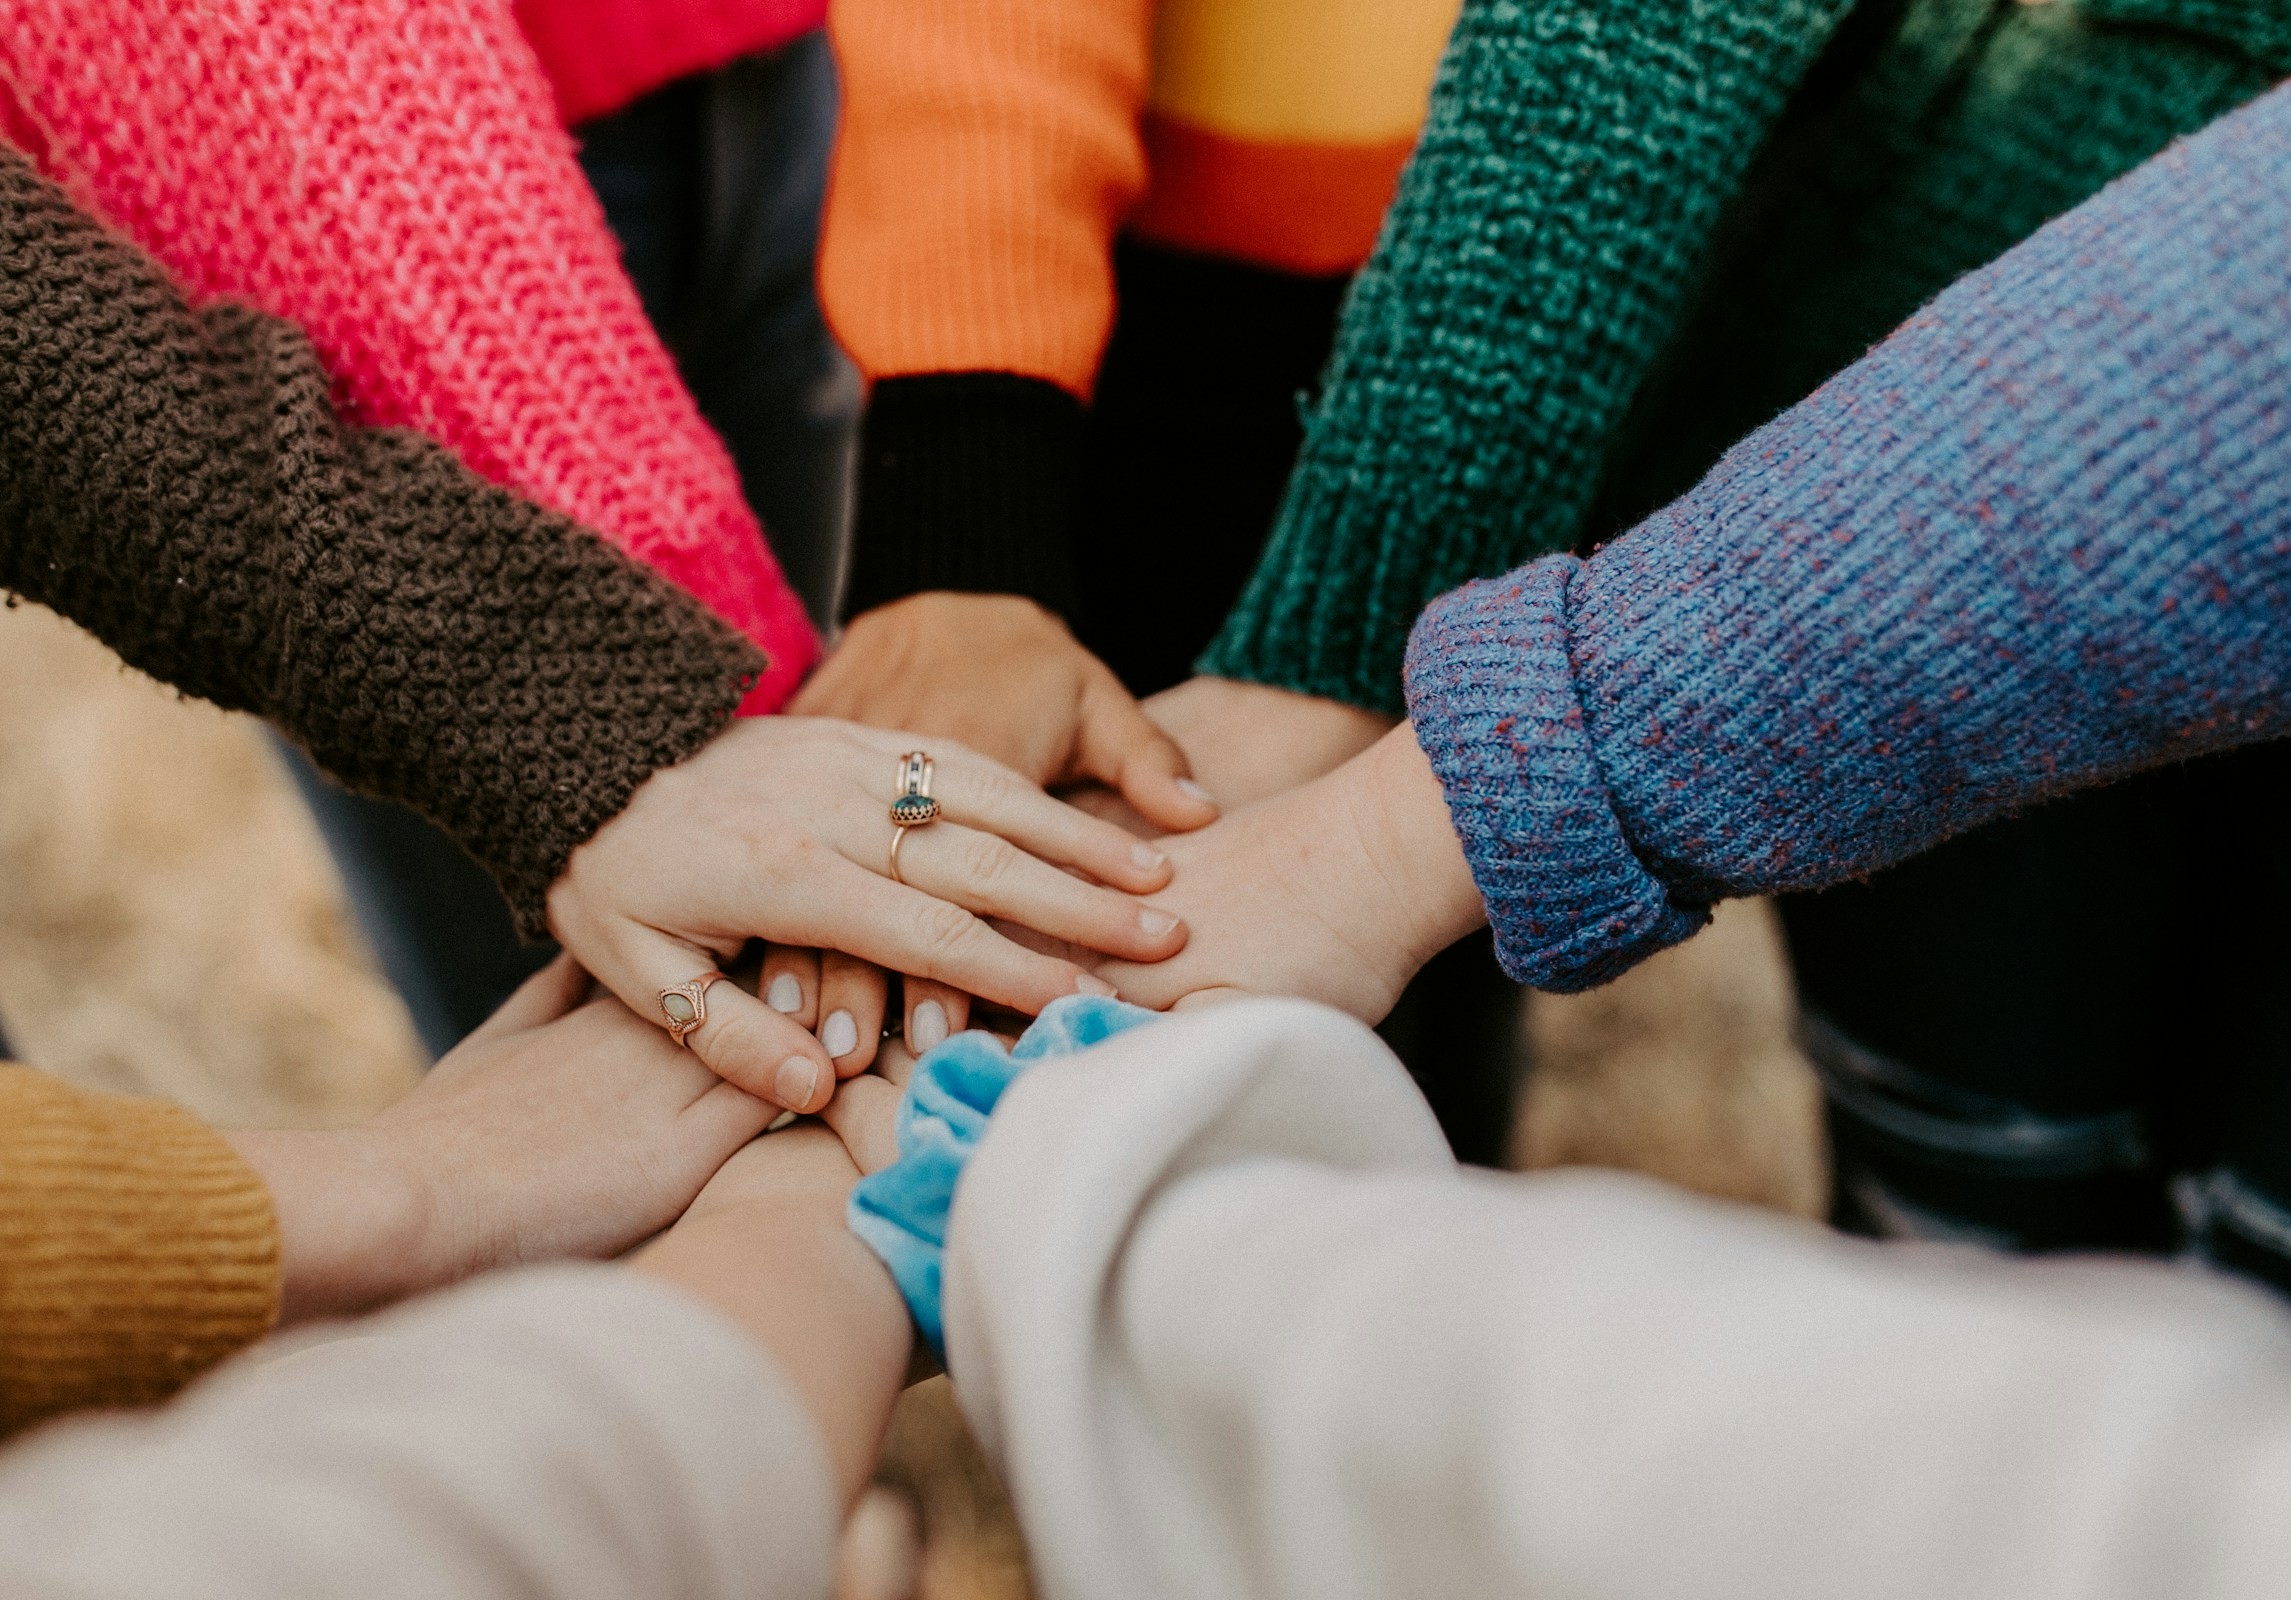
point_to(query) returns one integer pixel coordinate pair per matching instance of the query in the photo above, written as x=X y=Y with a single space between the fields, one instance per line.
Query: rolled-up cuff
x=1492 y=698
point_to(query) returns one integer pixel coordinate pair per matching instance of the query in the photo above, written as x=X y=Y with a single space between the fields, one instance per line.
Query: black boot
x=1917 y=1157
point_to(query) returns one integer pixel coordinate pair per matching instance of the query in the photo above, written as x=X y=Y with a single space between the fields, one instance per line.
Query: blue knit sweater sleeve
x=2039 y=538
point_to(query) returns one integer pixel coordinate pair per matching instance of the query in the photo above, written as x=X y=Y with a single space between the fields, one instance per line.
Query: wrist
x=1412 y=848
x=767 y=1246
x=354 y=1223
x=1249 y=741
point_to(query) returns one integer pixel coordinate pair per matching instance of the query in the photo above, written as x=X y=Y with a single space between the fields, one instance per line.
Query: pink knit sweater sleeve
x=391 y=175
x=601 y=54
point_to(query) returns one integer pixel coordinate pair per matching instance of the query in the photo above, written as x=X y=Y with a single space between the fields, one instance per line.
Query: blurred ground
x=169 y=925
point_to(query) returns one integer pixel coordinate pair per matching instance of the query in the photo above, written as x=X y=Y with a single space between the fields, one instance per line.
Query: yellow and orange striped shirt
x=991 y=149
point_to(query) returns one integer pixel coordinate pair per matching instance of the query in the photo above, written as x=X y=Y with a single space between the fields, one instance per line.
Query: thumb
x=1119 y=746
x=742 y=1040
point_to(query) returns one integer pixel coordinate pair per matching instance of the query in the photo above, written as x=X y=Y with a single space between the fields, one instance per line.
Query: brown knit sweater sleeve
x=177 y=483
x=136 y=1250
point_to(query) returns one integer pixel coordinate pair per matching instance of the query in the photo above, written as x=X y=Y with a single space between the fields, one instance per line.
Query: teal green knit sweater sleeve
x=1545 y=239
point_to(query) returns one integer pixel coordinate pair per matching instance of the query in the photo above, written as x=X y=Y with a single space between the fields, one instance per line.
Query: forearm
x=1545 y=238
x=781 y=1264
x=176 y=483
x=349 y=1221
x=550 y=1435
x=136 y=1250
x=394 y=182
x=1218 y=1297
x=1608 y=1355
x=2036 y=540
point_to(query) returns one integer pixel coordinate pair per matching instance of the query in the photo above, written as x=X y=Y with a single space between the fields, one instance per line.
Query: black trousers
x=2071 y=1029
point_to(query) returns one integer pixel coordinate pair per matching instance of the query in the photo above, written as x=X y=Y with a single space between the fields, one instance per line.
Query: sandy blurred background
x=170 y=925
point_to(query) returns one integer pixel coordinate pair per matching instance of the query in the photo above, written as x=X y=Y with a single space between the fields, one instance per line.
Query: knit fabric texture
x=1590 y=176
x=601 y=54
x=177 y=483
x=1957 y=137
x=991 y=153
x=966 y=481
x=136 y=1250
x=394 y=180
x=2038 y=539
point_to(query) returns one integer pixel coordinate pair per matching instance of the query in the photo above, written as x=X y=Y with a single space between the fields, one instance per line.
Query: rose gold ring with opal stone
x=913 y=807
x=686 y=1006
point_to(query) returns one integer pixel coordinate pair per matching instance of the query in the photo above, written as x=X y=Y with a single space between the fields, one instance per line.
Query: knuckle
x=992 y=788
x=733 y=1043
x=944 y=927
x=988 y=858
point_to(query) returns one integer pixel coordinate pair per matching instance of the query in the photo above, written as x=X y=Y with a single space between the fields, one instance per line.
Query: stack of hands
x=572 y=1124
x=1221 y=835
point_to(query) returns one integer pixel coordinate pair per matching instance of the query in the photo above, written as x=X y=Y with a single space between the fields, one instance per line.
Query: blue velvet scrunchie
x=901 y=1211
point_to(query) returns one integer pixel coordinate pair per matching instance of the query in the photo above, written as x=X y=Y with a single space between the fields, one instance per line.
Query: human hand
x=1251 y=741
x=559 y=1128
x=1247 y=741
x=780 y=829
x=1338 y=890
x=1006 y=678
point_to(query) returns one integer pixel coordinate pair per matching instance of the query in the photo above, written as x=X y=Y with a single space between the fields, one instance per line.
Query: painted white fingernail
x=785 y=994
x=927 y=1027
x=794 y=1082
x=839 y=1035
x=1091 y=983
x=1157 y=924
x=1147 y=857
x=1194 y=791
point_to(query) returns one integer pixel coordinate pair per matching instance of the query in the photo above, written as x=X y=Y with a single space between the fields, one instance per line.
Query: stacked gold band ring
x=912 y=806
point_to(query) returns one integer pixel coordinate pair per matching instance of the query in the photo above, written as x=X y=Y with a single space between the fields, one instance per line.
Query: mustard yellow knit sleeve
x=136 y=1250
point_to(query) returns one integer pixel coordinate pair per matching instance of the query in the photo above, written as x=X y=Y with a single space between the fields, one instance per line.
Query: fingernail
x=839 y=1035
x=785 y=994
x=1157 y=924
x=1194 y=791
x=793 y=1083
x=1146 y=856
x=1091 y=983
x=927 y=1027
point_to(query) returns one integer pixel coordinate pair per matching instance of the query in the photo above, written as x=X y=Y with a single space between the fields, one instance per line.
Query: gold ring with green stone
x=913 y=807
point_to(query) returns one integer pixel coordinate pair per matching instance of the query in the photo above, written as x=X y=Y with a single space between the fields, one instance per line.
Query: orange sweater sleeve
x=989 y=151
x=136 y=1250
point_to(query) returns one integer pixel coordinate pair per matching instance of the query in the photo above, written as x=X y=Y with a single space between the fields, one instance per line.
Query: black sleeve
x=967 y=481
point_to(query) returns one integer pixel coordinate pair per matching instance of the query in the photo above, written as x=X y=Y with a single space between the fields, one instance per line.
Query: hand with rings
x=797 y=831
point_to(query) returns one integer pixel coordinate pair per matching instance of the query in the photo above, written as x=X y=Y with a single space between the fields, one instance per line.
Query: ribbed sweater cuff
x=1493 y=700
x=136 y=1250
x=1252 y=648
x=513 y=677
x=967 y=481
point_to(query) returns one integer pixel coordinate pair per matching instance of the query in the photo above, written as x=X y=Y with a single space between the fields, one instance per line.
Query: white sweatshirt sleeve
x=567 y=1433
x=1234 y=1325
